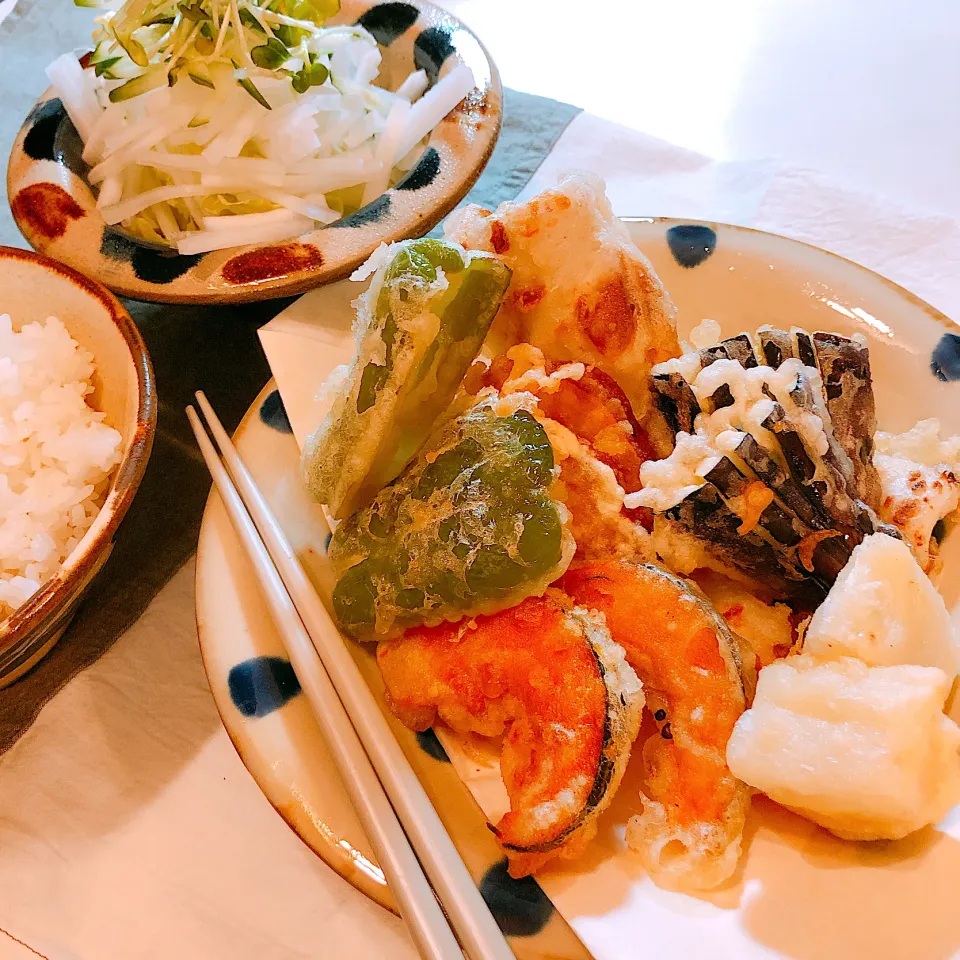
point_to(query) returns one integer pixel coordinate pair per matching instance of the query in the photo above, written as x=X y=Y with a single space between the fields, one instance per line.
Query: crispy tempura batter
x=597 y=444
x=581 y=289
x=592 y=406
x=693 y=807
x=551 y=679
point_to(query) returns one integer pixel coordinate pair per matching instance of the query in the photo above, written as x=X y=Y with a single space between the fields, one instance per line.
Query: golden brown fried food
x=593 y=407
x=688 y=661
x=549 y=678
x=597 y=445
x=769 y=628
x=581 y=290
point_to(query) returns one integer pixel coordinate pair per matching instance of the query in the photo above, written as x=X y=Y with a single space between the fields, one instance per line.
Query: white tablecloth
x=128 y=826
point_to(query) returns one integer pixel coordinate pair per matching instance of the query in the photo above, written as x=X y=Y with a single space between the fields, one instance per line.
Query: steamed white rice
x=56 y=454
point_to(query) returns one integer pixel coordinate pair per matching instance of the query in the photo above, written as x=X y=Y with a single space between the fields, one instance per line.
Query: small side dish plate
x=33 y=288
x=799 y=892
x=57 y=213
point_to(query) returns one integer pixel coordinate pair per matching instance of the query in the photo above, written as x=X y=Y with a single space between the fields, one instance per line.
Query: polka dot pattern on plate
x=261 y=685
x=274 y=414
x=388 y=21
x=373 y=212
x=423 y=174
x=44 y=120
x=520 y=907
x=945 y=360
x=691 y=243
x=431 y=49
x=150 y=266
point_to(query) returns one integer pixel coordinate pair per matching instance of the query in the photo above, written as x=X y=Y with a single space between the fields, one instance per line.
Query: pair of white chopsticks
x=408 y=838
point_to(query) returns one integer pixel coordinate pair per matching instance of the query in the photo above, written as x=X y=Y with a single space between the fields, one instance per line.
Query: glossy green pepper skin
x=420 y=326
x=469 y=527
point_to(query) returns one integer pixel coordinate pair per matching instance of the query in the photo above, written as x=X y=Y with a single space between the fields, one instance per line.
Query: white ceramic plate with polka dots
x=800 y=893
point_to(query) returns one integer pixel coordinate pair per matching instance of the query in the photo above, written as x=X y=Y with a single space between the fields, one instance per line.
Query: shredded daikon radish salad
x=217 y=123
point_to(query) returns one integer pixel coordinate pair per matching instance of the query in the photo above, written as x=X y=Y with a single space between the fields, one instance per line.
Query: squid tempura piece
x=581 y=289
x=550 y=679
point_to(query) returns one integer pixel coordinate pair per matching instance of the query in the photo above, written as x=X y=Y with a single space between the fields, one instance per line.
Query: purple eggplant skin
x=813 y=492
x=806 y=353
x=812 y=514
x=776 y=346
x=676 y=401
x=827 y=488
x=848 y=388
x=844 y=366
x=737 y=348
x=704 y=514
x=785 y=528
x=836 y=457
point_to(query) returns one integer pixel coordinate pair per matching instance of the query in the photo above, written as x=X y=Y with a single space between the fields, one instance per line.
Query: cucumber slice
x=151 y=79
x=200 y=79
x=102 y=67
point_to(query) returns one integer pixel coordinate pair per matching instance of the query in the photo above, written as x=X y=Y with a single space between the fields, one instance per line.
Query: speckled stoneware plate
x=56 y=210
x=800 y=894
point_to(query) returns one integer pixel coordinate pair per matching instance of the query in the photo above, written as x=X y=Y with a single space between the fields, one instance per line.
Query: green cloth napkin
x=211 y=348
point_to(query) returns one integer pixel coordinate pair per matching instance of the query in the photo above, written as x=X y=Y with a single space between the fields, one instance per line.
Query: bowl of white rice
x=77 y=419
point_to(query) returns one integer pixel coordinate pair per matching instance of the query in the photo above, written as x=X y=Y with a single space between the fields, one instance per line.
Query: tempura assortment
x=572 y=533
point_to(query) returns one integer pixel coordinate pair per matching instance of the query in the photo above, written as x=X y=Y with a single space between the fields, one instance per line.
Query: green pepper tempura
x=469 y=527
x=420 y=325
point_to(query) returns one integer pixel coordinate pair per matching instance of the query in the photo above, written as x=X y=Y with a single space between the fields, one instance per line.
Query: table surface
x=864 y=91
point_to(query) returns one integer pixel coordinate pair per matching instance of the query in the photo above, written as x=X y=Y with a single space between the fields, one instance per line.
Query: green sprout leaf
x=155 y=77
x=270 y=55
x=311 y=75
x=133 y=49
x=201 y=79
x=249 y=20
x=249 y=86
